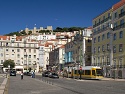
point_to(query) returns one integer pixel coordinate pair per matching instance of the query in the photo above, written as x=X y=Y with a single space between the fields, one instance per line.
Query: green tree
x=30 y=32
x=23 y=32
x=9 y=62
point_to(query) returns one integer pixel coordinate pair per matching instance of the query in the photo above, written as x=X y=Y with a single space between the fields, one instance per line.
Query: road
x=47 y=85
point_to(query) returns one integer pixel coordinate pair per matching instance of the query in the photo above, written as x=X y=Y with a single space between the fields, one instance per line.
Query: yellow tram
x=87 y=72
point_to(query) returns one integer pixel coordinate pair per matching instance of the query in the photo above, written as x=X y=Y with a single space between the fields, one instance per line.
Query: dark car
x=53 y=75
x=12 y=73
x=27 y=73
x=45 y=73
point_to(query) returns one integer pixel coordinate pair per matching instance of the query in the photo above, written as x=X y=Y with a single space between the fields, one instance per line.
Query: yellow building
x=108 y=46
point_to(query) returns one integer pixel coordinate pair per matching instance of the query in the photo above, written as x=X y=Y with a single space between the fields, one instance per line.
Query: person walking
x=21 y=75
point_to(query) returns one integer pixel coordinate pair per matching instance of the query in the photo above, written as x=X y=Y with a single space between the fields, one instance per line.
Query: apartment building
x=78 y=50
x=108 y=41
x=22 y=51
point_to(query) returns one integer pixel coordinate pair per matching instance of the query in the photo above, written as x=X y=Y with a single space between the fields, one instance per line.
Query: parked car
x=27 y=73
x=12 y=73
x=53 y=75
x=45 y=73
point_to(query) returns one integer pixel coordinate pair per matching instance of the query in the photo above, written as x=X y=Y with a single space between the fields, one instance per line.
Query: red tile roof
x=5 y=37
x=119 y=4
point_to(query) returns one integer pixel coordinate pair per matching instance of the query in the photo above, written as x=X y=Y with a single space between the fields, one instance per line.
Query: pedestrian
x=32 y=74
x=21 y=75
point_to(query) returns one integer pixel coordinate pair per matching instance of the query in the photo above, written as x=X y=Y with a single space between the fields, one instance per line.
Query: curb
x=4 y=86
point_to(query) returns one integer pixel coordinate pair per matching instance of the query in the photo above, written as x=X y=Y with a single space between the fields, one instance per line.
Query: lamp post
x=47 y=62
x=111 y=49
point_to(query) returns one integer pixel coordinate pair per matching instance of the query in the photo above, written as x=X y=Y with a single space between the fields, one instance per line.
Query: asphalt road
x=88 y=86
x=47 y=85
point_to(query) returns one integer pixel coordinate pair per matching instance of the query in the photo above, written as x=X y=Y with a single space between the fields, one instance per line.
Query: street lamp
x=47 y=62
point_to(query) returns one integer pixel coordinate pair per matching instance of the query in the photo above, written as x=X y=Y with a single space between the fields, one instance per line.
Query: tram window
x=87 y=72
x=79 y=71
x=93 y=72
x=82 y=72
x=99 y=72
x=75 y=72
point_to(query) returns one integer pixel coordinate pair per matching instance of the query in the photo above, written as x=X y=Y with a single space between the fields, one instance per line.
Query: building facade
x=108 y=41
x=22 y=51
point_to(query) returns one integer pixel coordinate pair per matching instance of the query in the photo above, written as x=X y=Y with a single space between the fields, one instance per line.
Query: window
x=121 y=34
x=30 y=50
x=103 y=27
x=122 y=10
x=103 y=48
x=108 y=15
x=7 y=50
x=120 y=47
x=99 y=49
x=18 y=55
x=24 y=50
x=75 y=72
x=18 y=50
x=1 y=61
x=114 y=49
x=34 y=51
x=98 y=38
x=12 y=50
x=7 y=44
x=87 y=72
x=12 y=55
x=120 y=62
x=93 y=72
x=108 y=35
x=34 y=56
x=122 y=23
x=115 y=15
x=103 y=36
x=0 y=43
x=108 y=63
x=108 y=47
x=18 y=45
x=29 y=56
x=114 y=37
x=115 y=24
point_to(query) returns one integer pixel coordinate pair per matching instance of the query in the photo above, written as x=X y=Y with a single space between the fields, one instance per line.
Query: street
x=45 y=85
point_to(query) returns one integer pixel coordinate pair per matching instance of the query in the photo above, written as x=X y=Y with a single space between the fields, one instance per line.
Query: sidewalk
x=111 y=79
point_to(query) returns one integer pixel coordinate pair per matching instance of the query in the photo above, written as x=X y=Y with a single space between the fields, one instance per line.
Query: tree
x=9 y=62
x=29 y=32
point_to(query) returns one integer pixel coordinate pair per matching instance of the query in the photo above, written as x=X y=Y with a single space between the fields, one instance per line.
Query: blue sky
x=15 y=15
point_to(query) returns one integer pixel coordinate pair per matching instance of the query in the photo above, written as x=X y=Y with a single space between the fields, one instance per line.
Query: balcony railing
x=122 y=14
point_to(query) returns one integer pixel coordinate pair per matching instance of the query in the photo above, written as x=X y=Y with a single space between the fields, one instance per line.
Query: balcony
x=121 y=14
x=119 y=26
